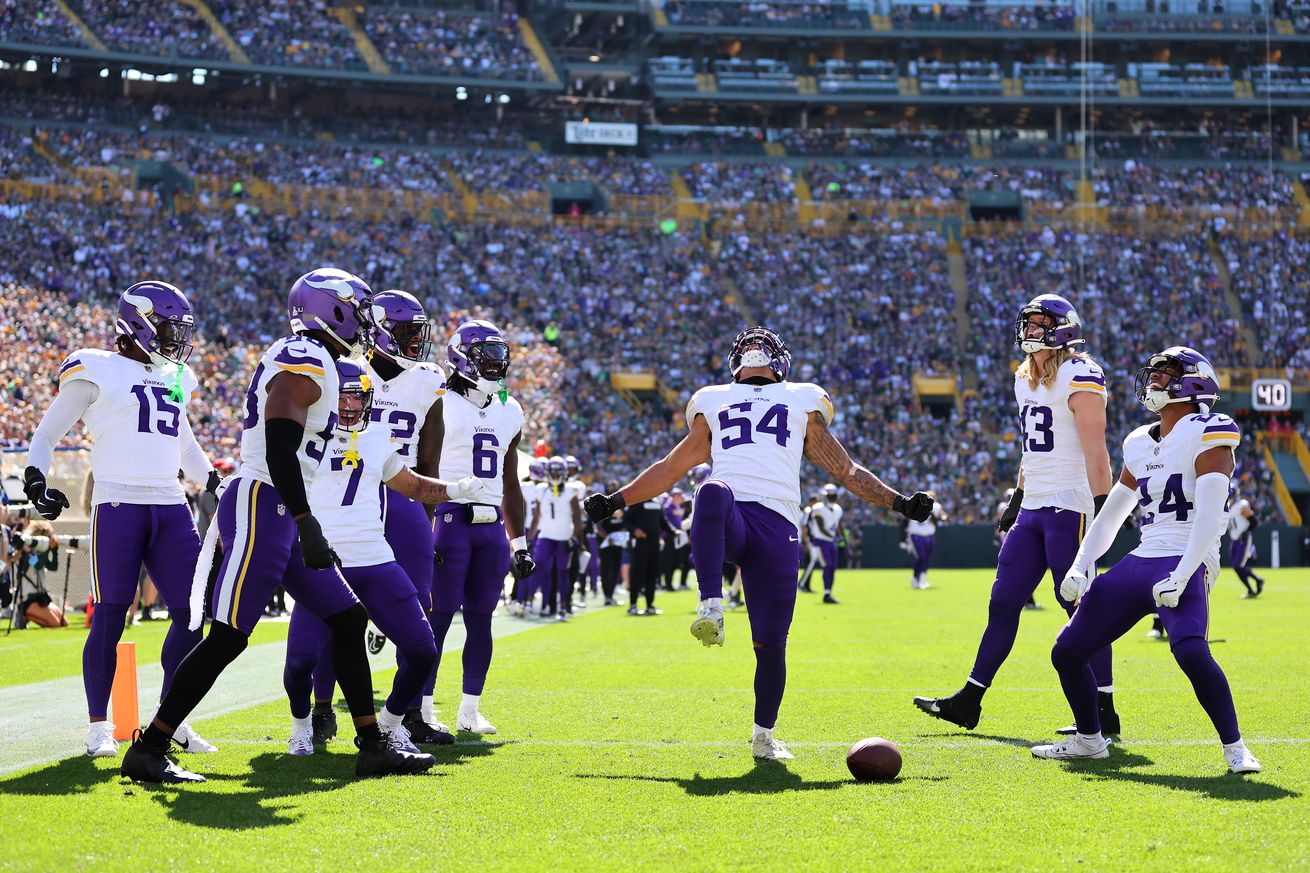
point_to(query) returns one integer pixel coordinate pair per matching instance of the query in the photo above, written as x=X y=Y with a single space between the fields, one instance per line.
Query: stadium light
x=504 y=98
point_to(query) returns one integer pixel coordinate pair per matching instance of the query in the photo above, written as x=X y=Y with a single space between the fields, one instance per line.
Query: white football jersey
x=1054 y=471
x=1166 y=480
x=1238 y=524
x=830 y=515
x=530 y=490
x=401 y=405
x=757 y=438
x=554 y=511
x=307 y=357
x=476 y=441
x=927 y=527
x=347 y=498
x=134 y=424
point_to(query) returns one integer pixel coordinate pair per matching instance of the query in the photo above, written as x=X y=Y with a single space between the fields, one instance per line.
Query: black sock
x=972 y=693
x=155 y=738
x=197 y=674
x=1105 y=699
x=350 y=659
x=369 y=734
x=322 y=707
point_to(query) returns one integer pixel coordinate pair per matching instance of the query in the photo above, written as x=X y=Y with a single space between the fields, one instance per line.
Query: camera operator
x=30 y=553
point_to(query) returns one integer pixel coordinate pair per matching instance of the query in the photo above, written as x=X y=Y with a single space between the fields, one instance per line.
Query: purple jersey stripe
x=1223 y=428
x=69 y=364
x=1089 y=378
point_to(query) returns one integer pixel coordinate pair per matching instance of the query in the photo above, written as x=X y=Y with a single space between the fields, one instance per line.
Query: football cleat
x=145 y=764
x=383 y=759
x=324 y=721
x=650 y=610
x=1077 y=746
x=708 y=626
x=398 y=738
x=765 y=748
x=301 y=742
x=1240 y=759
x=954 y=709
x=474 y=723
x=828 y=598
x=563 y=616
x=425 y=734
x=100 y=742
x=188 y=740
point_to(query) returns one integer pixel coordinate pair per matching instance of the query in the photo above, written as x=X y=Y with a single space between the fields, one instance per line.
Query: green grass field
x=623 y=744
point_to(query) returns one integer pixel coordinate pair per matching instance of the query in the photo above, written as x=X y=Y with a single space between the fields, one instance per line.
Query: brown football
x=874 y=758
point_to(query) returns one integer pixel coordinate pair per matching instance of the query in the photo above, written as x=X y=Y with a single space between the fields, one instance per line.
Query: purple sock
x=298 y=679
x=177 y=644
x=709 y=538
x=1210 y=684
x=1102 y=668
x=477 y=650
x=770 y=680
x=415 y=663
x=99 y=656
x=1079 y=685
x=997 y=641
x=440 y=622
x=325 y=677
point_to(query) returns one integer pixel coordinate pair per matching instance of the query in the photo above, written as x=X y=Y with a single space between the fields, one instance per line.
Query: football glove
x=314 y=548
x=601 y=506
x=468 y=488
x=1167 y=591
x=522 y=566
x=916 y=507
x=1011 y=514
x=1074 y=585
x=1098 y=502
x=48 y=502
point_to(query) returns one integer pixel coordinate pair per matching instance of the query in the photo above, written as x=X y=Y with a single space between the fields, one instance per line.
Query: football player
x=1178 y=471
x=264 y=518
x=352 y=506
x=1241 y=545
x=584 y=566
x=826 y=526
x=557 y=523
x=1064 y=477
x=478 y=540
x=133 y=402
x=922 y=535
x=755 y=429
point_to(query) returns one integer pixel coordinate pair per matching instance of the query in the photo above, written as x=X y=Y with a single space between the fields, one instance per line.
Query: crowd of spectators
x=482 y=171
x=37 y=21
x=741 y=182
x=150 y=27
x=1271 y=276
x=965 y=16
x=716 y=13
x=937 y=183
x=301 y=33
x=442 y=43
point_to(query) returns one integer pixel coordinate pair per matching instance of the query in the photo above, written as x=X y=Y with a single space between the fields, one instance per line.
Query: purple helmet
x=574 y=465
x=760 y=347
x=401 y=329
x=355 y=397
x=537 y=470
x=1067 y=330
x=829 y=492
x=700 y=473
x=478 y=352
x=330 y=300
x=157 y=318
x=1191 y=379
x=557 y=469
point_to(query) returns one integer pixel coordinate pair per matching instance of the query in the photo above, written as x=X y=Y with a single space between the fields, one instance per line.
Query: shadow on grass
x=1224 y=786
x=766 y=777
x=70 y=776
x=963 y=736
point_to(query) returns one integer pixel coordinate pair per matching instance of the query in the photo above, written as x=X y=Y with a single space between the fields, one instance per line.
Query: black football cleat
x=324 y=722
x=954 y=709
x=378 y=758
x=423 y=733
x=828 y=598
x=143 y=763
x=1109 y=718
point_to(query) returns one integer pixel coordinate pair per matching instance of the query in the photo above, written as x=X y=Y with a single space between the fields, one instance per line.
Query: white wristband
x=518 y=544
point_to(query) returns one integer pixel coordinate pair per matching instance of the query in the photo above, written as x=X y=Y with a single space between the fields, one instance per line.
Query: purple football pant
x=408 y=531
x=767 y=547
x=1041 y=539
x=1114 y=603
x=471 y=577
x=1241 y=552
x=828 y=549
x=123 y=537
x=592 y=569
x=393 y=606
x=552 y=560
x=922 y=553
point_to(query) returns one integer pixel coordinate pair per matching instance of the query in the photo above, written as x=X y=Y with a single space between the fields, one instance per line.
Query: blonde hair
x=1045 y=376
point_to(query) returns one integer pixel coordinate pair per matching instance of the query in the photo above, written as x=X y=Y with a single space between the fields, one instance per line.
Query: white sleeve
x=391 y=467
x=195 y=464
x=74 y=397
x=1100 y=536
x=1211 y=495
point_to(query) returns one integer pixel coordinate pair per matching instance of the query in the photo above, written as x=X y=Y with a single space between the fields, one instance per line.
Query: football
x=874 y=759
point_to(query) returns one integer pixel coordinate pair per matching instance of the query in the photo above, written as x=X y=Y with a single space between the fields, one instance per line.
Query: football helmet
x=355 y=396
x=157 y=318
x=1194 y=382
x=537 y=470
x=478 y=351
x=557 y=470
x=829 y=493
x=331 y=300
x=574 y=465
x=760 y=347
x=700 y=473
x=400 y=327
x=1066 y=331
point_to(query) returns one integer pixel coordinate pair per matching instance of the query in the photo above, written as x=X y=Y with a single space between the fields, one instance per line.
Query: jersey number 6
x=485 y=460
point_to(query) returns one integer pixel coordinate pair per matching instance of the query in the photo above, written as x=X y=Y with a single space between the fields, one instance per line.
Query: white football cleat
x=188 y=740
x=301 y=742
x=1240 y=759
x=398 y=739
x=474 y=723
x=1077 y=746
x=708 y=626
x=765 y=748
x=100 y=742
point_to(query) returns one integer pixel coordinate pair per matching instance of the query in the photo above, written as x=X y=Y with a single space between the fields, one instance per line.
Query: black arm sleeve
x=283 y=455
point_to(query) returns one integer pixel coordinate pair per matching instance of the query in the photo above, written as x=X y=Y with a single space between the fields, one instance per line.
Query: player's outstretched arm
x=824 y=450
x=430 y=438
x=68 y=407
x=658 y=477
x=430 y=492
x=1089 y=420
